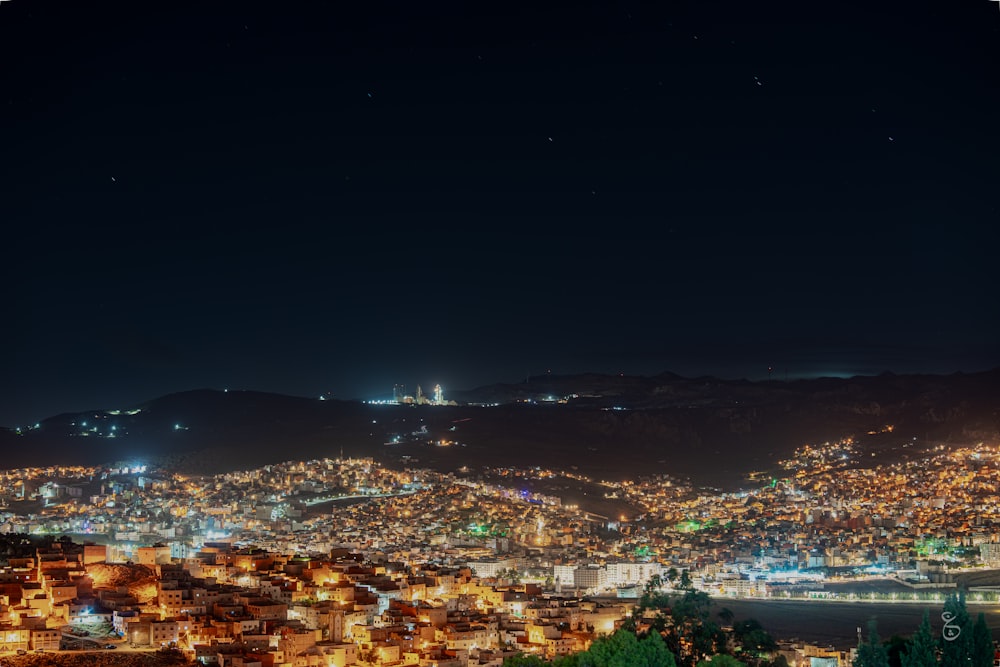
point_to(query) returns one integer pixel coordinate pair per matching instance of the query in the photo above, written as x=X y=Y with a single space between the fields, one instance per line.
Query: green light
x=478 y=529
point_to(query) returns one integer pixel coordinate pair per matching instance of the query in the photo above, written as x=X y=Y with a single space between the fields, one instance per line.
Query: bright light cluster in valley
x=373 y=542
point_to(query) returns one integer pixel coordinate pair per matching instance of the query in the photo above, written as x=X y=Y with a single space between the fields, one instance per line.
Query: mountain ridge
x=710 y=430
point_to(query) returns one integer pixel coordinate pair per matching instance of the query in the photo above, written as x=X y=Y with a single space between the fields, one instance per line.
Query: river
x=836 y=623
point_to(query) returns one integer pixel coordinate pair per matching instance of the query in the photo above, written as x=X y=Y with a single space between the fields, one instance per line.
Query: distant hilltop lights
x=400 y=397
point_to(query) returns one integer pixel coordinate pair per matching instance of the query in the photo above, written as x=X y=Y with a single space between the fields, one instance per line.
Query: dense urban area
x=344 y=561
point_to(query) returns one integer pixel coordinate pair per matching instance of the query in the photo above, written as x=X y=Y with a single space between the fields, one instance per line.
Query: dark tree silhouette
x=956 y=649
x=920 y=650
x=872 y=653
x=982 y=643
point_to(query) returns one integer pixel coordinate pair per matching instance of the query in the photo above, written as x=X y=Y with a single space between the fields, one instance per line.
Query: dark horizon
x=378 y=393
x=308 y=199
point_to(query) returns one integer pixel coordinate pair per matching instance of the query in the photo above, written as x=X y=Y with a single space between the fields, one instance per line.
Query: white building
x=631 y=574
x=590 y=576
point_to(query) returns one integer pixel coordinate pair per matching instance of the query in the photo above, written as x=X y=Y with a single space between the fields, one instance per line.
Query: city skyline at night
x=451 y=334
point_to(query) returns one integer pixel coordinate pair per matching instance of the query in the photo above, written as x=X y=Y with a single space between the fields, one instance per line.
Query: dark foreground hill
x=713 y=431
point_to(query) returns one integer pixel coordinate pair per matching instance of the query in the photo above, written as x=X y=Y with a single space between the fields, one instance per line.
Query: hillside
x=711 y=430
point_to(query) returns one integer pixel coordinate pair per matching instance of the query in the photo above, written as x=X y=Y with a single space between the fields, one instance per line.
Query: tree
x=691 y=634
x=524 y=660
x=721 y=660
x=920 y=650
x=753 y=640
x=655 y=652
x=511 y=575
x=607 y=651
x=872 y=653
x=982 y=643
x=895 y=647
x=956 y=650
x=621 y=649
x=629 y=624
x=652 y=597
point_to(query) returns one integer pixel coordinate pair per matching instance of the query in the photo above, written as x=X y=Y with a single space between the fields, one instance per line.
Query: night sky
x=336 y=197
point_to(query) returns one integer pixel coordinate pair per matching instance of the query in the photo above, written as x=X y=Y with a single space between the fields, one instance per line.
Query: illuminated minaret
x=438 y=395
